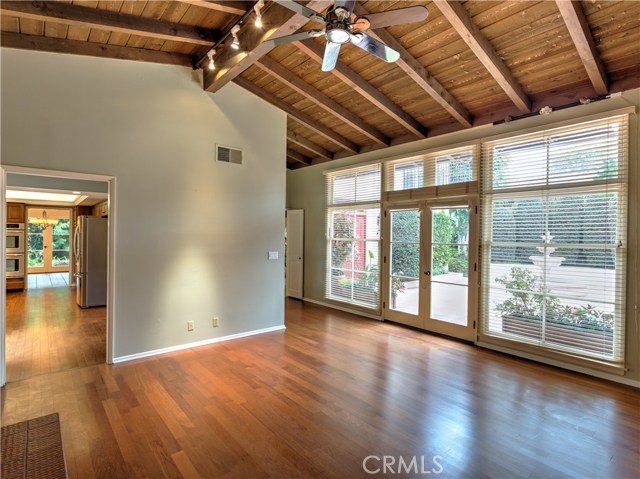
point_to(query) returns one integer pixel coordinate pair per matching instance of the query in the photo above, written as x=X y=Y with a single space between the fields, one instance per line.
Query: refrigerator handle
x=76 y=239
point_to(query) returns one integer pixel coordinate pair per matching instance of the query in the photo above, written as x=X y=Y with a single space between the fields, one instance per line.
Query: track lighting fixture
x=210 y=54
x=259 y=6
x=234 y=33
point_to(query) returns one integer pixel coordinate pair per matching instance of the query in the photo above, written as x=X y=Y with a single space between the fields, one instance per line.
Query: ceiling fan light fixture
x=338 y=35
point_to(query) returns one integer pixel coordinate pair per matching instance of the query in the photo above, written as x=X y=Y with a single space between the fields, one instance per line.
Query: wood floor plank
x=315 y=400
x=47 y=331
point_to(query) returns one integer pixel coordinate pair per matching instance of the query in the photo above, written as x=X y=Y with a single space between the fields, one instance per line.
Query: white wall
x=192 y=236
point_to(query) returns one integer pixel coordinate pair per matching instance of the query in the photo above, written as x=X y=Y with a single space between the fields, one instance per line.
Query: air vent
x=227 y=154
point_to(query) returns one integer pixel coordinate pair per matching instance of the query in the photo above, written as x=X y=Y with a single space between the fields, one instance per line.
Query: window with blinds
x=447 y=167
x=353 y=235
x=554 y=239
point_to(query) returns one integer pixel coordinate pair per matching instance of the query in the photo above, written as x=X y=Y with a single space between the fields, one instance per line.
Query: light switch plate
x=273 y=255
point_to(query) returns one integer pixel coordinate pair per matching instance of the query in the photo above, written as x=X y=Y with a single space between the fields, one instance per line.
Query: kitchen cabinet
x=84 y=210
x=15 y=213
x=101 y=210
x=14 y=284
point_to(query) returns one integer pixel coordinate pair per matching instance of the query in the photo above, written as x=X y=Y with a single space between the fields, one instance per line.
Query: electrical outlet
x=216 y=322
x=189 y=325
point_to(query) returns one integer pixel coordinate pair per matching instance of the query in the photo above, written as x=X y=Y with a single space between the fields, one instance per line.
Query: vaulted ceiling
x=469 y=63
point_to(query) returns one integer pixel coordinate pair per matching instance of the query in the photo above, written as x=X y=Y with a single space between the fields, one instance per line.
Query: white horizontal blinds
x=554 y=244
x=404 y=174
x=446 y=167
x=353 y=235
x=567 y=155
x=354 y=185
x=452 y=166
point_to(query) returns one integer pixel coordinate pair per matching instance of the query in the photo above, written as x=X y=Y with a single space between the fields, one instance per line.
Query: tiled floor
x=47 y=280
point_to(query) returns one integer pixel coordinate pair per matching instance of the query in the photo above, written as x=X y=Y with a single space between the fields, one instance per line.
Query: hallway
x=47 y=332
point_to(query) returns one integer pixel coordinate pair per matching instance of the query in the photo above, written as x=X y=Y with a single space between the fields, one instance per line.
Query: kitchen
x=56 y=262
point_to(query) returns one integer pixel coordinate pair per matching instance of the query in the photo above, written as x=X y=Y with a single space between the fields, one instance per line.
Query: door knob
x=427 y=273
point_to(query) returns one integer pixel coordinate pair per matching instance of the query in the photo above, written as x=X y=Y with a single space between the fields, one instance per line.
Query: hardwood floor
x=48 y=332
x=317 y=399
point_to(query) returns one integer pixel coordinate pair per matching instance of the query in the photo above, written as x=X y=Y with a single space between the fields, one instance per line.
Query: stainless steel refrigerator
x=90 y=252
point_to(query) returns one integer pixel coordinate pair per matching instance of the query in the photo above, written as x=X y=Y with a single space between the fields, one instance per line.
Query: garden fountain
x=546 y=261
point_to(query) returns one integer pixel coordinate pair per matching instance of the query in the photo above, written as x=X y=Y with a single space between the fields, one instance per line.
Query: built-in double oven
x=15 y=238
x=15 y=244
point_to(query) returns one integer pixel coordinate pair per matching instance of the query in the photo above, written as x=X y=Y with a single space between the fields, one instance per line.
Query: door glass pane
x=450 y=265
x=405 y=261
x=60 y=243
x=36 y=246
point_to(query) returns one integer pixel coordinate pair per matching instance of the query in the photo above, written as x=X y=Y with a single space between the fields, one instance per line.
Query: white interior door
x=295 y=253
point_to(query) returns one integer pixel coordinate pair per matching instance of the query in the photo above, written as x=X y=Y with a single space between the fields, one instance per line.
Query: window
x=445 y=167
x=554 y=244
x=456 y=167
x=353 y=239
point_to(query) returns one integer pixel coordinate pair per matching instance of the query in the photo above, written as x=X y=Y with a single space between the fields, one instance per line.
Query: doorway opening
x=45 y=327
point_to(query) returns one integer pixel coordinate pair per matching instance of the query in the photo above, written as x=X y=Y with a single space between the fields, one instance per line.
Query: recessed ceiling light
x=40 y=196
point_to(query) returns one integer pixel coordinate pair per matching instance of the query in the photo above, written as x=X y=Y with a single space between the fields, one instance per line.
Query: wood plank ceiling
x=469 y=63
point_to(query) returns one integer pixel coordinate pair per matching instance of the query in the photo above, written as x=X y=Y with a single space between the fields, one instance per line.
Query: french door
x=429 y=268
x=48 y=246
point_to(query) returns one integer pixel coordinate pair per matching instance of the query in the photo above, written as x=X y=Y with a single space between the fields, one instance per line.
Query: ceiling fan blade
x=302 y=10
x=373 y=46
x=273 y=42
x=396 y=17
x=346 y=4
x=330 y=58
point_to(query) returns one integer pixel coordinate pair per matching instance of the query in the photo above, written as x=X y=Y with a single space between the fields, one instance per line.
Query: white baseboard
x=342 y=308
x=572 y=367
x=195 y=344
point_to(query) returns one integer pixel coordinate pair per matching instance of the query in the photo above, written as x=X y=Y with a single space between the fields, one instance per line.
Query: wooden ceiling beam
x=296 y=83
x=309 y=145
x=298 y=157
x=578 y=27
x=462 y=23
x=235 y=8
x=414 y=69
x=297 y=115
x=278 y=21
x=341 y=71
x=70 y=14
x=61 y=45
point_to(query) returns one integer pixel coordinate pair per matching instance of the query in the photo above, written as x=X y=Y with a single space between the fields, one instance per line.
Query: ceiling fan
x=338 y=29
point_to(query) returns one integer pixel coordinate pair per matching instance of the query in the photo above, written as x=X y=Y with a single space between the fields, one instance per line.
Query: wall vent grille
x=228 y=154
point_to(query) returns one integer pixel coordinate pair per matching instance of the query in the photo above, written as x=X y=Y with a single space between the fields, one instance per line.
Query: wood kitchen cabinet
x=15 y=213
x=84 y=210
x=14 y=284
x=101 y=210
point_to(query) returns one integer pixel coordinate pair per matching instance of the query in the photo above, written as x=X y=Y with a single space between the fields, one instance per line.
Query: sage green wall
x=48 y=183
x=305 y=190
x=192 y=235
